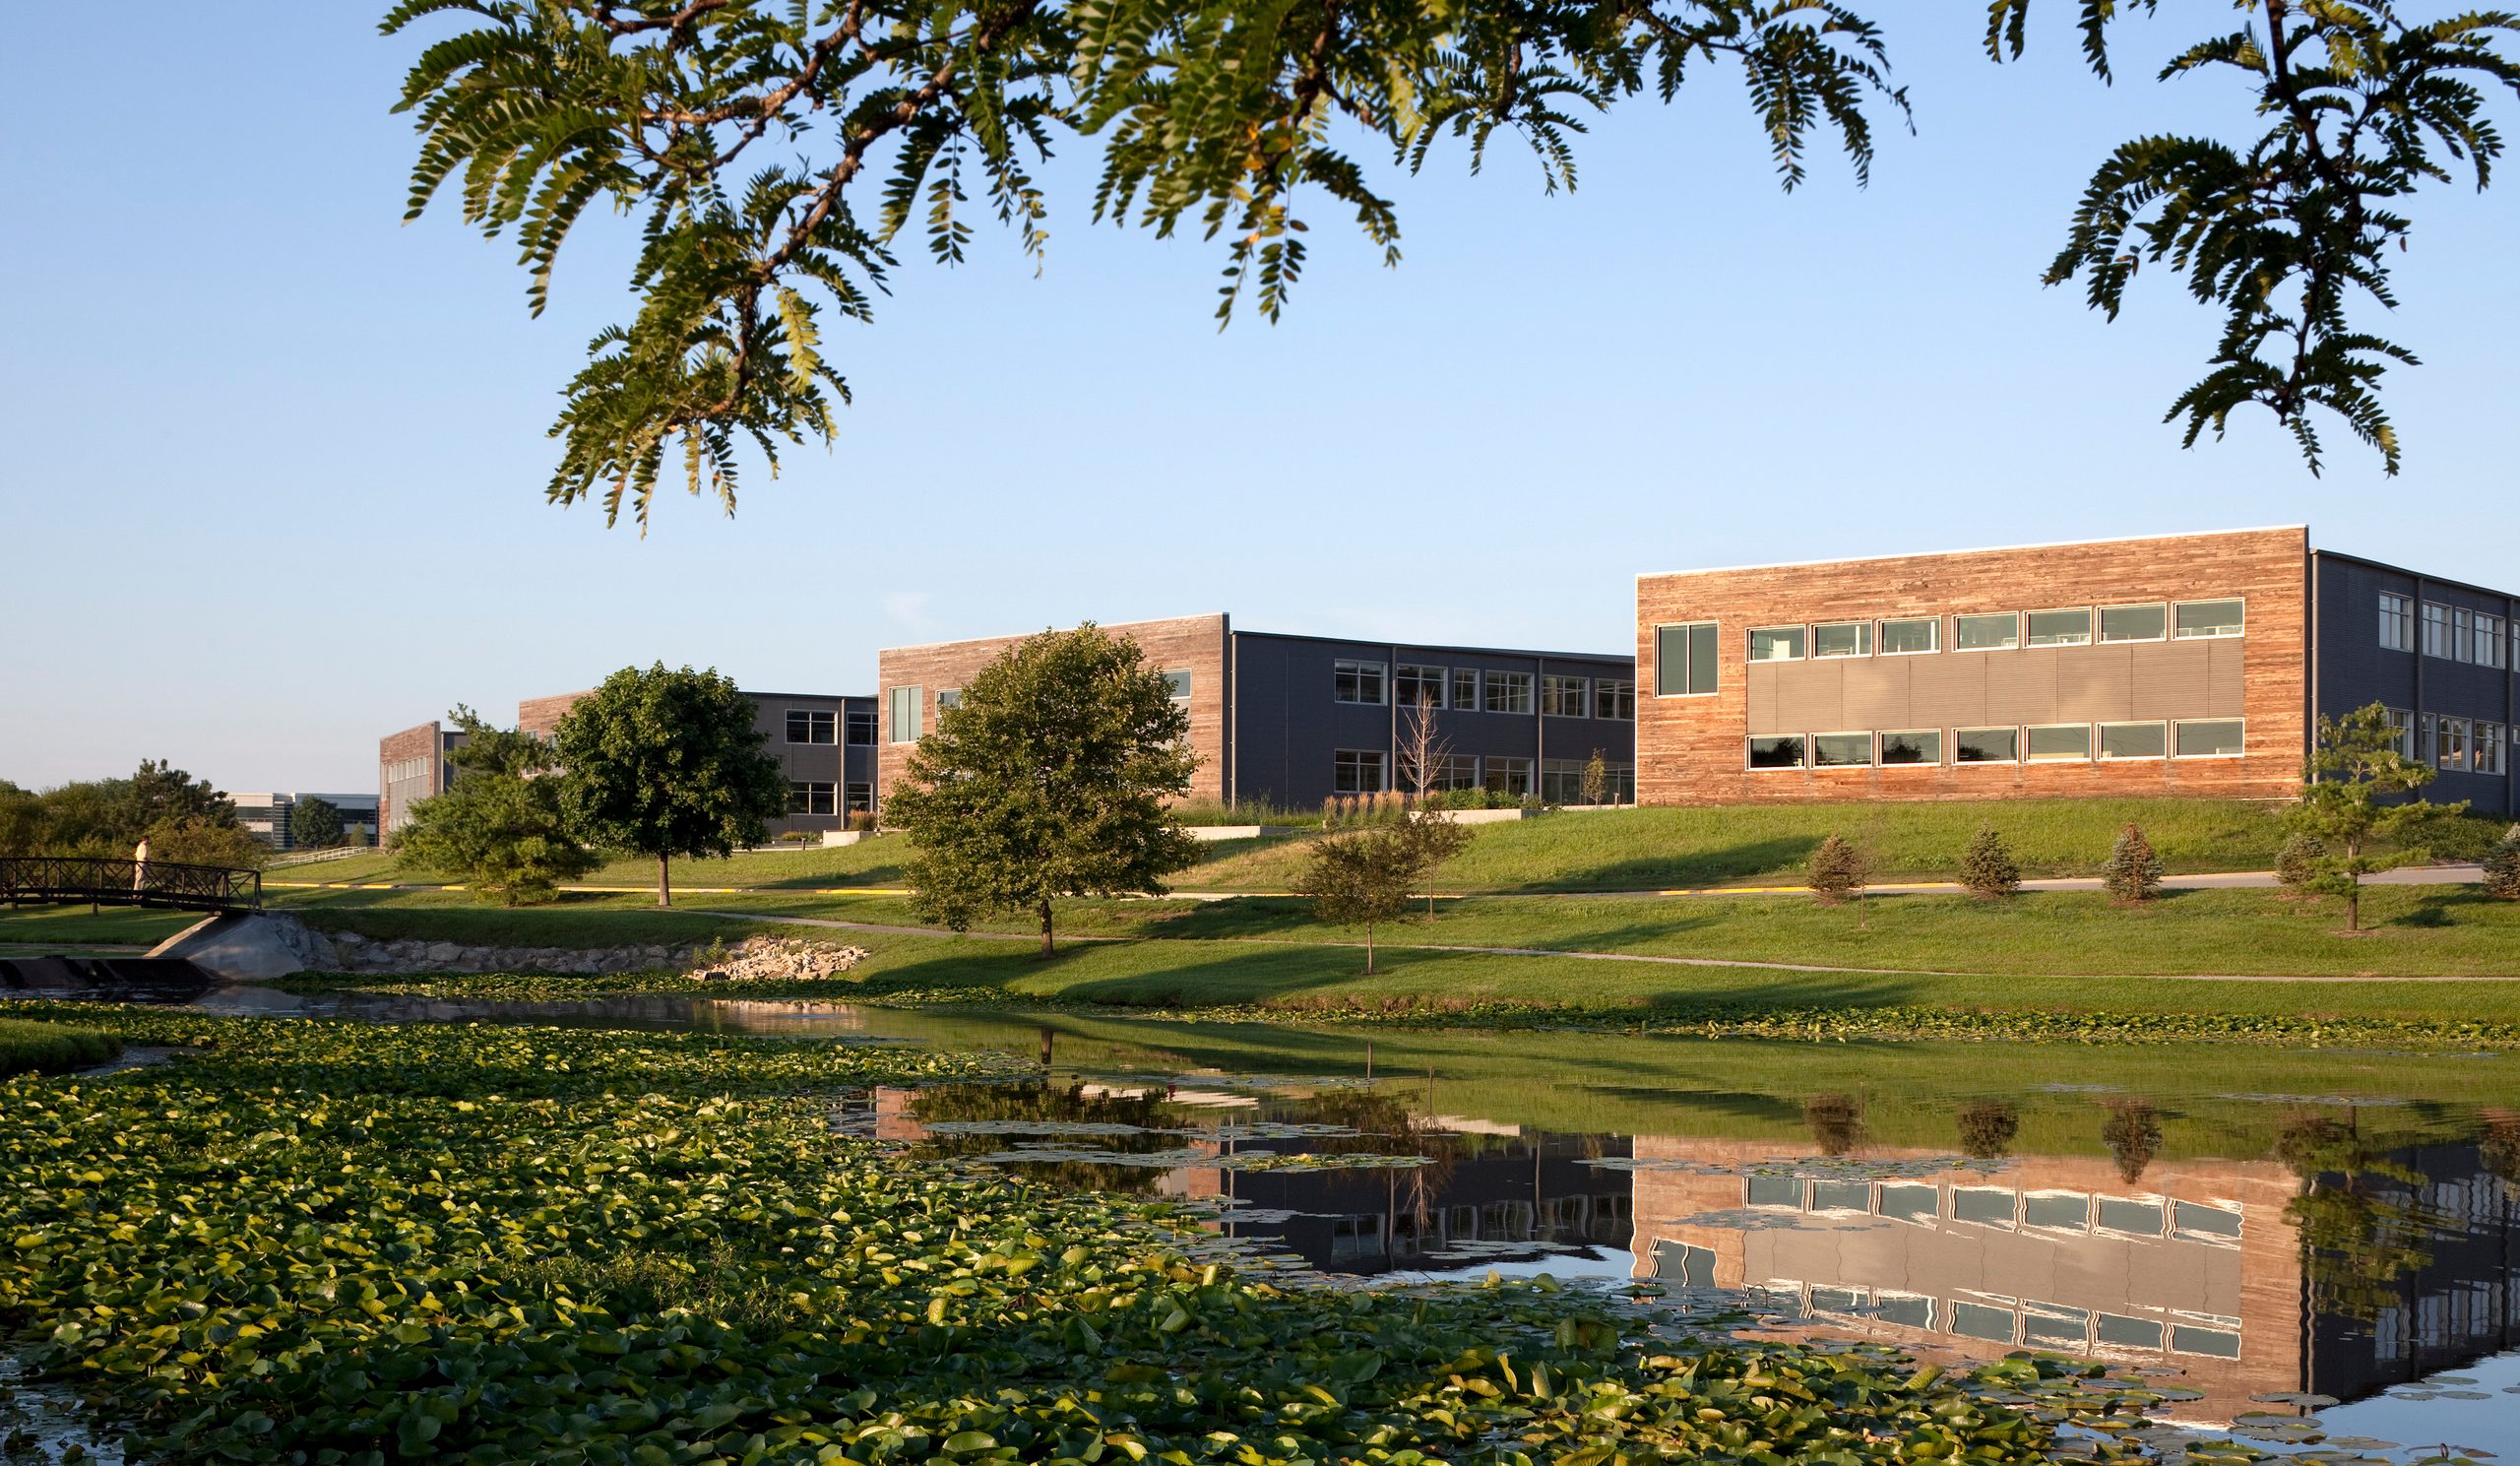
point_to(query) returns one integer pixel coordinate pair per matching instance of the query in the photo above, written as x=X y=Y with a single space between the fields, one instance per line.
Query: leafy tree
x=1367 y=877
x=502 y=826
x=2134 y=870
x=22 y=820
x=160 y=793
x=2351 y=769
x=199 y=839
x=1051 y=777
x=315 y=824
x=1236 y=122
x=667 y=763
x=1837 y=871
x=109 y=816
x=1596 y=778
x=2502 y=867
x=1988 y=867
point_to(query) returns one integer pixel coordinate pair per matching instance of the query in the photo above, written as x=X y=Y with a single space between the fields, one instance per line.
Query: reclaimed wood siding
x=1193 y=643
x=1690 y=749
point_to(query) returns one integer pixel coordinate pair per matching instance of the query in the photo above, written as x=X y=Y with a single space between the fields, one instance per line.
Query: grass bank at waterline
x=51 y=1047
x=341 y=1242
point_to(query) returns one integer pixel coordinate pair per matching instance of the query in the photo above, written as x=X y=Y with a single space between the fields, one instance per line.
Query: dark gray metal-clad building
x=2442 y=654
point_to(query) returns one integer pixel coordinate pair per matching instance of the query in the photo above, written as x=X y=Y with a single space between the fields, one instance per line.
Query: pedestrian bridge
x=33 y=880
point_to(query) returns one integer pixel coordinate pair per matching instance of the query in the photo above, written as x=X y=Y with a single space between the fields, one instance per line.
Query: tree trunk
x=1046 y=929
x=665 y=881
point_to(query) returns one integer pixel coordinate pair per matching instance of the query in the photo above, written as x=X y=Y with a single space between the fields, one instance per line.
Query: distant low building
x=268 y=816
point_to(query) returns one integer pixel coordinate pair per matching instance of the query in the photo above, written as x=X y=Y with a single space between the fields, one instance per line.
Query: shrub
x=862 y=819
x=2296 y=865
x=2134 y=870
x=1988 y=869
x=2502 y=867
x=1837 y=871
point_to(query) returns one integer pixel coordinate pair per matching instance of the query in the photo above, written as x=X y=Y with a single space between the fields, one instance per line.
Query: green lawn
x=76 y=925
x=1624 y=850
x=50 y=1047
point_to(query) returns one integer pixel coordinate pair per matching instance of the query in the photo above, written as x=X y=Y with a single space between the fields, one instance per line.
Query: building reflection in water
x=2330 y=1267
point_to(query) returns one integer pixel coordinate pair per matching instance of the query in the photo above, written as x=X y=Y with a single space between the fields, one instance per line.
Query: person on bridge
x=140 y=866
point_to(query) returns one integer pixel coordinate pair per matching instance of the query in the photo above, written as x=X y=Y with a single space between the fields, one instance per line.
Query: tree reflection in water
x=1986 y=1129
x=2360 y=1216
x=2133 y=1134
x=1835 y=1122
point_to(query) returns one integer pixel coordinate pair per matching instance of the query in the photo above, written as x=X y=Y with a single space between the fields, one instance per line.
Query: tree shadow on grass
x=1779 y=857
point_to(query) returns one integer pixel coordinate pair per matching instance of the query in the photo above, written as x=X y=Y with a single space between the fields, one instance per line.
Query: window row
x=1999 y=1206
x=1469 y=689
x=2453 y=633
x=816 y=797
x=1999 y=632
x=2053 y=742
x=810 y=726
x=2458 y=745
x=1366 y=771
x=2003 y=1320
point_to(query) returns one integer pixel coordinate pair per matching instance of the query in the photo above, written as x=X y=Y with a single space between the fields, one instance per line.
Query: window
x=2217 y=738
x=1775 y=1191
x=1466 y=688
x=2463 y=629
x=808 y=798
x=1905 y=1309
x=1840 y=750
x=1417 y=687
x=807 y=727
x=1986 y=746
x=2397 y=622
x=2195 y=1219
x=1177 y=681
x=1909 y=1202
x=2061 y=743
x=1842 y=639
x=1781 y=752
x=1684 y=660
x=1508 y=692
x=1979 y=1321
x=1357 y=771
x=2134 y=739
x=2493 y=743
x=861 y=727
x=1615 y=698
x=2129 y=1333
x=2134 y=622
x=1985 y=633
x=2137 y=1217
x=861 y=799
x=2207 y=618
x=1921 y=746
x=1842 y=1195
x=947 y=699
x=2423 y=739
x=1776 y=644
x=2437 y=629
x=1509 y=776
x=1905 y=638
x=2054 y=1323
x=2452 y=742
x=1987 y=1206
x=1445 y=771
x=2404 y=723
x=1357 y=682
x=2489 y=641
x=2216 y=1343
x=1564 y=696
x=907 y=706
x=2064 y=1211
x=2061 y=628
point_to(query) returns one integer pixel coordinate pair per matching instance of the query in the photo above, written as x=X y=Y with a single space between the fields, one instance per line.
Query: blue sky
x=276 y=461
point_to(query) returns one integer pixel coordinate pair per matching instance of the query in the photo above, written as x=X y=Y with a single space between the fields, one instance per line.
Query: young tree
x=1988 y=867
x=2134 y=870
x=1367 y=877
x=1426 y=756
x=502 y=827
x=2502 y=867
x=1837 y=871
x=314 y=823
x=2296 y=863
x=2353 y=767
x=1596 y=778
x=1238 y=121
x=667 y=763
x=1052 y=777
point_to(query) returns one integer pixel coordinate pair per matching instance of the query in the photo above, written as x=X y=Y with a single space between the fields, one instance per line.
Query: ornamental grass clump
x=2502 y=867
x=1988 y=867
x=2134 y=869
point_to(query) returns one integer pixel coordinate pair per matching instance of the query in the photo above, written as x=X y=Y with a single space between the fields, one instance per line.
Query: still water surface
x=2315 y=1249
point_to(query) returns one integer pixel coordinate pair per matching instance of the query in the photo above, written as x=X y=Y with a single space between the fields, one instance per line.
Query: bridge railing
x=107 y=882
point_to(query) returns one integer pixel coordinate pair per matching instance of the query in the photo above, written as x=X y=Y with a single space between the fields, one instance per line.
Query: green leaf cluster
x=1051 y=777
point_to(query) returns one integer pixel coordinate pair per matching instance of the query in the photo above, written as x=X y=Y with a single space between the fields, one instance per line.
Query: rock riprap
x=780 y=958
x=418 y=955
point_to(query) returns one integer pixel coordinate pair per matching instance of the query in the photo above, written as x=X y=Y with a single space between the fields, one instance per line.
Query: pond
x=2316 y=1250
